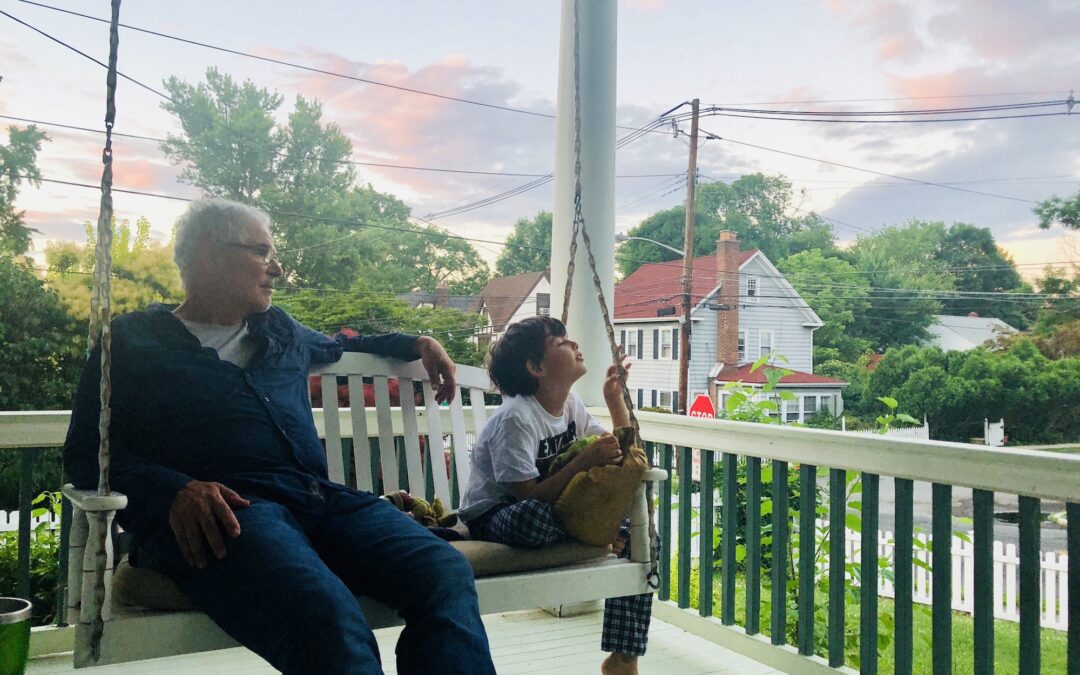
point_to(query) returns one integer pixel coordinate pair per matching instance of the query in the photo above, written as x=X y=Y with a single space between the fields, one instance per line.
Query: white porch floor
x=522 y=642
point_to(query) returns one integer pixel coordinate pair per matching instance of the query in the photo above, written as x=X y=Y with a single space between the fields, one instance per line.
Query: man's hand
x=604 y=450
x=198 y=514
x=439 y=367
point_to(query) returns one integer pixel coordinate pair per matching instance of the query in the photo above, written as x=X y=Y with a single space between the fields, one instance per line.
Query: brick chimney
x=442 y=296
x=727 y=317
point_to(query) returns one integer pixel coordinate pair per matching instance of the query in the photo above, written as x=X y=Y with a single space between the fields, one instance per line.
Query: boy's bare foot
x=619 y=664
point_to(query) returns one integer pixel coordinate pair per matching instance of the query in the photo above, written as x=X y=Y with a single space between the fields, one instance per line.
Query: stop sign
x=702 y=407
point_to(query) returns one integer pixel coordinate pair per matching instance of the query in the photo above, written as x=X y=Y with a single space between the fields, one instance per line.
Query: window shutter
x=656 y=344
x=654 y=398
x=675 y=402
x=641 y=344
x=622 y=341
x=674 y=344
x=640 y=398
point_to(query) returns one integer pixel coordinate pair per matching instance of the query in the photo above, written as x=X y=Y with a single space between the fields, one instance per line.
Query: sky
x=823 y=55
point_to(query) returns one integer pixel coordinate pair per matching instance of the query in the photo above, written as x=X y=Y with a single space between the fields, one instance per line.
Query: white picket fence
x=9 y=521
x=1053 y=580
x=920 y=433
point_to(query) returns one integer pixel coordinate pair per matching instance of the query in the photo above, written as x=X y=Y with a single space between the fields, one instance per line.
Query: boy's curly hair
x=522 y=343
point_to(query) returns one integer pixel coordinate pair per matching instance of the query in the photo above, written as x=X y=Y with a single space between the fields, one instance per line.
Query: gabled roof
x=658 y=285
x=503 y=295
x=462 y=303
x=974 y=330
x=742 y=373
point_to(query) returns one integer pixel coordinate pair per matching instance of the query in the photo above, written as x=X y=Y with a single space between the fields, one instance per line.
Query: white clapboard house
x=743 y=308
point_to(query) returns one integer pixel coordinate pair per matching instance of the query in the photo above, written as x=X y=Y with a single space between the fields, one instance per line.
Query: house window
x=779 y=405
x=665 y=344
x=827 y=404
x=765 y=343
x=665 y=399
x=742 y=346
x=632 y=344
x=543 y=304
x=791 y=411
x=810 y=406
x=751 y=290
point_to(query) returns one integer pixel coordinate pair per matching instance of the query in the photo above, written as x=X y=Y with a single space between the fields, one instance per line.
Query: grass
x=1006 y=633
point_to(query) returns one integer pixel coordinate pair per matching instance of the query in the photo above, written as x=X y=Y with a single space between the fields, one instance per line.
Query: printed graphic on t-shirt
x=553 y=445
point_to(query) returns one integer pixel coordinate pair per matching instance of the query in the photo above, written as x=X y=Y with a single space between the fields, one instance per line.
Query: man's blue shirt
x=180 y=413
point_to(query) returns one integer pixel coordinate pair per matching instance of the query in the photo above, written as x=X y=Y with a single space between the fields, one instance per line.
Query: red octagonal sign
x=702 y=407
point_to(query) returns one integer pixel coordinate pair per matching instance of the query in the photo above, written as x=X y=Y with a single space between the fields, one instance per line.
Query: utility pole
x=688 y=263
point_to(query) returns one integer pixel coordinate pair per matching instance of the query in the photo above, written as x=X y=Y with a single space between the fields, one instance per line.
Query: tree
x=143 y=271
x=972 y=257
x=372 y=312
x=1065 y=211
x=330 y=230
x=757 y=208
x=42 y=345
x=837 y=293
x=1064 y=304
x=528 y=248
x=18 y=164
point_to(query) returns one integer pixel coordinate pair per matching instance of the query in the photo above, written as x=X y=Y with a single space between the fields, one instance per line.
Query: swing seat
x=146 y=616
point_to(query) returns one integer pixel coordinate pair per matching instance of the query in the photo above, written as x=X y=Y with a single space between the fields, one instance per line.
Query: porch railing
x=770 y=566
x=810 y=607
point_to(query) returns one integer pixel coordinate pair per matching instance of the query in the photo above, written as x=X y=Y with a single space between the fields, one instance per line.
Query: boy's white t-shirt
x=517 y=444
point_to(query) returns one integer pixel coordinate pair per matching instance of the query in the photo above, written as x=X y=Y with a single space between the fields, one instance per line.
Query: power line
x=872 y=171
x=383 y=165
x=897 y=98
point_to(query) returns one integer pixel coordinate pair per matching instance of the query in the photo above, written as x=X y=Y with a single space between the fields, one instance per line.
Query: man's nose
x=274 y=268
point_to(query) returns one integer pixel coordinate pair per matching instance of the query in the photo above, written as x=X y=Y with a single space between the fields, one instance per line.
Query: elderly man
x=214 y=444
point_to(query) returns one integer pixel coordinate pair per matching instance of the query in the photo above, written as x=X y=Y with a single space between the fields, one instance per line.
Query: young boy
x=509 y=500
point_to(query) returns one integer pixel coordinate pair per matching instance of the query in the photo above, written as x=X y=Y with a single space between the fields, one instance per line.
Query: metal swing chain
x=100 y=319
x=653 y=577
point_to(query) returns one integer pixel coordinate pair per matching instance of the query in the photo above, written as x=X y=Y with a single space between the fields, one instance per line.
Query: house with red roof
x=507 y=300
x=742 y=309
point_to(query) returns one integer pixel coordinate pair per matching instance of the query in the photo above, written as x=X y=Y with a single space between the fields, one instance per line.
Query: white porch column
x=596 y=26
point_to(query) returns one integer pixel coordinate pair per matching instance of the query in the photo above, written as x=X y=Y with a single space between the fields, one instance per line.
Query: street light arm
x=622 y=237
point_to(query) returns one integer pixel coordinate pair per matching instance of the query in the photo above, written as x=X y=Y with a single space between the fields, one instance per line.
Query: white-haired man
x=214 y=443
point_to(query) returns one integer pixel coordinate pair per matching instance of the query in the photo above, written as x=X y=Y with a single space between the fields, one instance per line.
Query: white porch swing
x=125 y=614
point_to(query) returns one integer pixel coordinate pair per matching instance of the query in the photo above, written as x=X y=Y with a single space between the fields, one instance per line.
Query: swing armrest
x=654 y=476
x=91 y=502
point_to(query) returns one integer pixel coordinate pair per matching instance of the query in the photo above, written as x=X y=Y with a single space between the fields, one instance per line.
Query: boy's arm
x=604 y=450
x=613 y=396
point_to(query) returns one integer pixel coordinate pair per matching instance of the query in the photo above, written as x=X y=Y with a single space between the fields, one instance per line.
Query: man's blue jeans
x=285 y=589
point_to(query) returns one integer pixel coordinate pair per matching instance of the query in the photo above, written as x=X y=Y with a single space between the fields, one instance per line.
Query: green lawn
x=1006 y=633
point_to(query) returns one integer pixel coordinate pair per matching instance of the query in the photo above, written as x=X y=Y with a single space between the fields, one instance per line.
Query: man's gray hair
x=219 y=219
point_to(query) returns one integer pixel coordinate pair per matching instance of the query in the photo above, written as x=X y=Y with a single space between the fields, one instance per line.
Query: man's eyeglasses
x=264 y=253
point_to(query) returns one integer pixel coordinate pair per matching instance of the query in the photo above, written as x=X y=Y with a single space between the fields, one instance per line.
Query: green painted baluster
x=728 y=525
x=753 y=545
x=1072 y=513
x=707 y=521
x=904 y=644
x=780 y=525
x=868 y=579
x=685 y=508
x=807 y=514
x=941 y=569
x=983 y=639
x=1030 y=599
x=664 y=533
x=837 y=537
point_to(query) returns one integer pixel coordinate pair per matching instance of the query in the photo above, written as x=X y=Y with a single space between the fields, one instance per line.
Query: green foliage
x=1065 y=212
x=831 y=286
x=756 y=207
x=18 y=164
x=143 y=271
x=232 y=147
x=44 y=561
x=373 y=313
x=42 y=352
x=528 y=248
x=955 y=391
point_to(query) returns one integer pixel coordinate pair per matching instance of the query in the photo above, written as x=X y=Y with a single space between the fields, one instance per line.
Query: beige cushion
x=140 y=587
